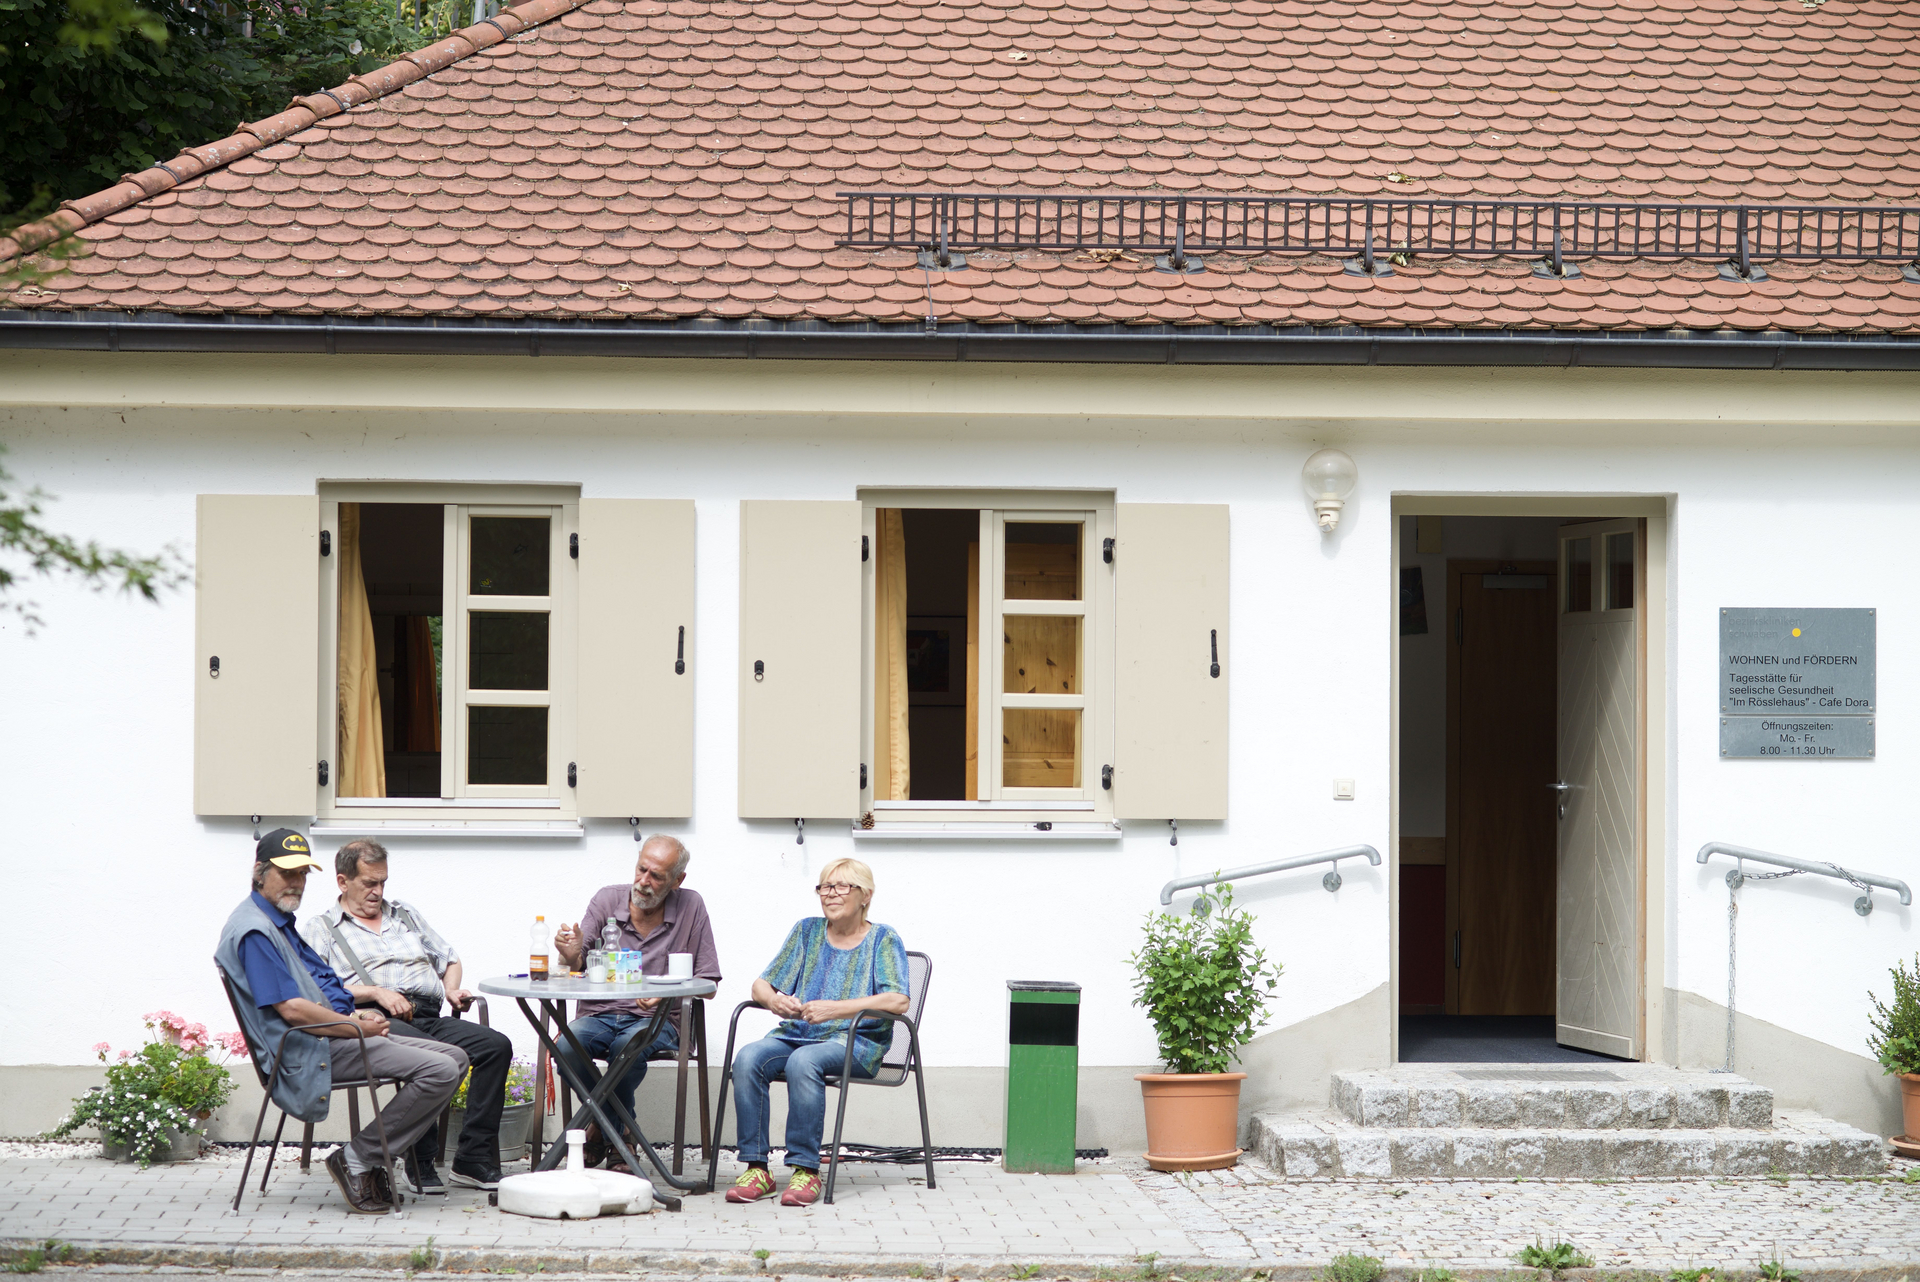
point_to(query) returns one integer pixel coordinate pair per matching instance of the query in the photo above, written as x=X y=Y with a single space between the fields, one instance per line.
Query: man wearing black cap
x=286 y=987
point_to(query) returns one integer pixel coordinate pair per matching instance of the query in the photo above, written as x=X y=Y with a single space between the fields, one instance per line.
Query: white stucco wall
x=1788 y=490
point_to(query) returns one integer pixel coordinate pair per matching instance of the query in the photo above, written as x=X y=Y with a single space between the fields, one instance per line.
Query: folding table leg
x=680 y=1084
x=700 y=1037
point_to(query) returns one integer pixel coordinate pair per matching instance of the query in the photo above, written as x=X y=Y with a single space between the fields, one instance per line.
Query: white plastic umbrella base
x=575 y=1193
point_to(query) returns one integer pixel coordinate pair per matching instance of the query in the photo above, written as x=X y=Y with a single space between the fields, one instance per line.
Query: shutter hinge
x=1106 y=551
x=863 y=776
x=680 y=655
x=1215 y=669
x=573 y=546
x=573 y=774
x=863 y=547
x=1106 y=778
x=323 y=774
x=800 y=832
x=326 y=543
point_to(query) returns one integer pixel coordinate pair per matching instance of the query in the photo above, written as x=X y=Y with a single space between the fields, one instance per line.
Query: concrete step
x=1331 y=1145
x=1605 y=1097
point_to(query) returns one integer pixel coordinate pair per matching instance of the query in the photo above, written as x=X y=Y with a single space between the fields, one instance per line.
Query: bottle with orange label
x=539 y=938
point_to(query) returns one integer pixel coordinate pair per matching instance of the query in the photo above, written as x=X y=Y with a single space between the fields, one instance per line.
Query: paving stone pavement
x=980 y=1219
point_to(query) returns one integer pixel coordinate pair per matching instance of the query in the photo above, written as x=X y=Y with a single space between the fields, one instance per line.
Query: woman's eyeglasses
x=834 y=890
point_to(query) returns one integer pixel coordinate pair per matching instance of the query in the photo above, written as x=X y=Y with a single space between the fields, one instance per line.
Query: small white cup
x=679 y=965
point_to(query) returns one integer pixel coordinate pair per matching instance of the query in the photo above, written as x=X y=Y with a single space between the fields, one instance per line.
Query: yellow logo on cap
x=296 y=843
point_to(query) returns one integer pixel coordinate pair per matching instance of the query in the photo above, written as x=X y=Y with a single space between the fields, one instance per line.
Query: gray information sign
x=1796 y=683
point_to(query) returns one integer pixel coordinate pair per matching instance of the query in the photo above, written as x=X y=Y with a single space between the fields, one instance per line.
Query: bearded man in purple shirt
x=656 y=916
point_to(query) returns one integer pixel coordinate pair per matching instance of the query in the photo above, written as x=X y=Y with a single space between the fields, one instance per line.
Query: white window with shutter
x=998 y=663
x=443 y=683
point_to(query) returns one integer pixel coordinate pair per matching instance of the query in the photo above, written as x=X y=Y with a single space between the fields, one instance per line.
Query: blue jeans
x=806 y=1065
x=605 y=1032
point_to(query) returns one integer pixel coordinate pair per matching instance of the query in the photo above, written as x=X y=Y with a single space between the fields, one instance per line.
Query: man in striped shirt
x=389 y=957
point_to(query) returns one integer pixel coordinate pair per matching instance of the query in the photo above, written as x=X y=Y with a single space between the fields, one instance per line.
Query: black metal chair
x=268 y=1077
x=692 y=1052
x=895 y=1067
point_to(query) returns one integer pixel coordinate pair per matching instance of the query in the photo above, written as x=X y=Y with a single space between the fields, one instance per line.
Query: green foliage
x=1348 y=1267
x=518 y=1090
x=98 y=88
x=150 y=1094
x=1561 y=1255
x=1436 y=1274
x=761 y=1253
x=420 y=1259
x=33 y=1258
x=24 y=538
x=1203 y=983
x=1706 y=1273
x=1895 y=1039
x=1776 y=1270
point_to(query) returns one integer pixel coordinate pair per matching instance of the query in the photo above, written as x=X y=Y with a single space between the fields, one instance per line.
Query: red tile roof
x=679 y=158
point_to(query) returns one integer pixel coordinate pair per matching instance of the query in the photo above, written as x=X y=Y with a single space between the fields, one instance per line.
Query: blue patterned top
x=811 y=969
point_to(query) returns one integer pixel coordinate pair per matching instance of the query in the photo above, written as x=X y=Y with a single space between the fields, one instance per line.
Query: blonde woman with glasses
x=831 y=968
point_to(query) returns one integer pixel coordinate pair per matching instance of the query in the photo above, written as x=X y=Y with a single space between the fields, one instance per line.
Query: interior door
x=1600 y=815
x=1500 y=810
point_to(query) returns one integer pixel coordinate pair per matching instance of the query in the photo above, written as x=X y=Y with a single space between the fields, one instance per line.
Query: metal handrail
x=1331 y=881
x=1806 y=865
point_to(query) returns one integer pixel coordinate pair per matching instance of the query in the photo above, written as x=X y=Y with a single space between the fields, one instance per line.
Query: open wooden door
x=1602 y=824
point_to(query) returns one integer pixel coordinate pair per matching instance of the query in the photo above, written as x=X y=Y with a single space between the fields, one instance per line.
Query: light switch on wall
x=1343 y=790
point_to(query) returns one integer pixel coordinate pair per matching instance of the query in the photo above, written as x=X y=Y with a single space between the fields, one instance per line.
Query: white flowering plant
x=158 y=1090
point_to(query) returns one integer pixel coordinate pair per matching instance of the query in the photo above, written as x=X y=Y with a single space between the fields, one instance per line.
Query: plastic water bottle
x=541 y=942
x=610 y=936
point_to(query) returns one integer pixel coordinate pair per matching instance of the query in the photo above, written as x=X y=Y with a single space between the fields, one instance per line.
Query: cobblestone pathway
x=981 y=1220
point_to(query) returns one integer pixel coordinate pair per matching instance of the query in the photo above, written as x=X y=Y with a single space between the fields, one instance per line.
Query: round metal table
x=545 y=999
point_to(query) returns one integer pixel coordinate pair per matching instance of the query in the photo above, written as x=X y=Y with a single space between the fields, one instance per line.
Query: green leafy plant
x=761 y=1253
x=420 y=1259
x=1705 y=1273
x=1436 y=1274
x=1348 y=1267
x=1776 y=1270
x=1024 y=1272
x=1204 y=983
x=1560 y=1255
x=1895 y=1039
x=158 y=1090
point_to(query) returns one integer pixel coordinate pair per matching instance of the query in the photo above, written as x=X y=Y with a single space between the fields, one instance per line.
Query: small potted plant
x=146 y=1110
x=1895 y=1042
x=515 y=1119
x=1205 y=986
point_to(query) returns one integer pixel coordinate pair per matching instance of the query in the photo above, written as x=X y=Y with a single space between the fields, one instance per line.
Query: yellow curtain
x=363 y=761
x=893 y=779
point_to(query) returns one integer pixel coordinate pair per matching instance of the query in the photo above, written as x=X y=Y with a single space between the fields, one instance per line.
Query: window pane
x=1042 y=654
x=1040 y=748
x=1620 y=571
x=1043 y=560
x=507 y=746
x=509 y=556
x=1579 y=575
x=508 y=651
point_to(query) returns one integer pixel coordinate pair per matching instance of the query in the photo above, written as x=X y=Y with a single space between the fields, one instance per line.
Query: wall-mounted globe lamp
x=1328 y=478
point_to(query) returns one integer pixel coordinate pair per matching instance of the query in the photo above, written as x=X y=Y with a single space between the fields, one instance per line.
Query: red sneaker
x=803 y=1189
x=752 y=1185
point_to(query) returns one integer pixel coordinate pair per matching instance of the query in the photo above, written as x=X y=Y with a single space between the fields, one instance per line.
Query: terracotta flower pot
x=1910 y=1104
x=1193 y=1119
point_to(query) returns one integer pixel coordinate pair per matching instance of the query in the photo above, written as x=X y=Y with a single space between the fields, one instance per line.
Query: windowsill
x=987 y=830
x=425 y=827
x=447 y=803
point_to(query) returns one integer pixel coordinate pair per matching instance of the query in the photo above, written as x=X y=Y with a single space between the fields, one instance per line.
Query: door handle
x=1562 y=788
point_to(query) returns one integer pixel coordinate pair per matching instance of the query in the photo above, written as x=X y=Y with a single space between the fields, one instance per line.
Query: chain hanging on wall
x=1735 y=877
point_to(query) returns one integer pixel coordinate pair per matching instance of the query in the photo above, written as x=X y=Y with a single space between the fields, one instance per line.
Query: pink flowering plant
x=158 y=1089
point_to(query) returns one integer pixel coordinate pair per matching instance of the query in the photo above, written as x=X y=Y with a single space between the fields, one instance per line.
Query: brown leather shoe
x=595 y=1150
x=359 y=1190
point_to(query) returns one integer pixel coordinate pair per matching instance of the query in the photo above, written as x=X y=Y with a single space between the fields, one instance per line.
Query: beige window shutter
x=257 y=624
x=1170 y=628
x=800 y=634
x=635 y=738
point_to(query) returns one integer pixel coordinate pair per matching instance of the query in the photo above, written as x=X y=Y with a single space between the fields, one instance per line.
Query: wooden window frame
x=459 y=801
x=1086 y=803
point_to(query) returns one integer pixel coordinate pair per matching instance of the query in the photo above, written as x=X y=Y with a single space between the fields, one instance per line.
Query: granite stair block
x=1604 y=1097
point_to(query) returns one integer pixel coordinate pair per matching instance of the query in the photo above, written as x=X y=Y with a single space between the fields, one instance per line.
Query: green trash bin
x=1043 y=1075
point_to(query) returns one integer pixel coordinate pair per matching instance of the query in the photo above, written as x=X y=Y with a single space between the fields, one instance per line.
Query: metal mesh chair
x=896 y=1066
x=268 y=1077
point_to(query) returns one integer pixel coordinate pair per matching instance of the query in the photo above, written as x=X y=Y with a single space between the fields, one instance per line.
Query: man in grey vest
x=388 y=956
x=285 y=988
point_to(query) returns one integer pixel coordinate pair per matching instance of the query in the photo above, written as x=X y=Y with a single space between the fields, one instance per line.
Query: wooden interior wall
x=1040 y=748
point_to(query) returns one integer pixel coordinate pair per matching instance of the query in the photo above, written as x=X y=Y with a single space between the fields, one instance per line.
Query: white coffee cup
x=679 y=965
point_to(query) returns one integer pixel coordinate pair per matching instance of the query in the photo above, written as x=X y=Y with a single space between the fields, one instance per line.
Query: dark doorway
x=1486 y=1039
